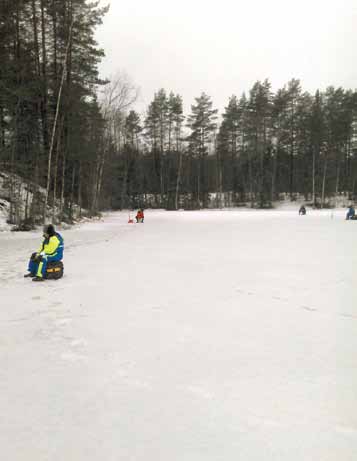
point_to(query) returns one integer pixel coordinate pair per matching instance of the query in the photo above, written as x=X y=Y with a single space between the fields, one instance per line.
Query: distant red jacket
x=140 y=215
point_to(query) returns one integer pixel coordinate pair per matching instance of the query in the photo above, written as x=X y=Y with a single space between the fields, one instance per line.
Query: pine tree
x=318 y=136
x=175 y=121
x=259 y=130
x=228 y=144
x=202 y=122
x=156 y=131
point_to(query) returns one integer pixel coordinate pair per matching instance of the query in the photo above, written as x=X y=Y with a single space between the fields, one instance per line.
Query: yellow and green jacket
x=53 y=247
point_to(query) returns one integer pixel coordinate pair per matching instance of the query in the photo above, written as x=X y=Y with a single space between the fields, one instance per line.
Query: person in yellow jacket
x=51 y=250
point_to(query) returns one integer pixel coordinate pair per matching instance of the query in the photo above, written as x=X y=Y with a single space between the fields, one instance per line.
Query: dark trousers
x=38 y=265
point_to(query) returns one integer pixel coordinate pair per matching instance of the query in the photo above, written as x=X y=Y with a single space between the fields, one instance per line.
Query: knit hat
x=49 y=230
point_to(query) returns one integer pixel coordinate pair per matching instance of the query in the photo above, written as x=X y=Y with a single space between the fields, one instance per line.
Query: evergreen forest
x=72 y=142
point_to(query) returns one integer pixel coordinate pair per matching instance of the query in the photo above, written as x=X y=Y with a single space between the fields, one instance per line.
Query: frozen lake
x=212 y=335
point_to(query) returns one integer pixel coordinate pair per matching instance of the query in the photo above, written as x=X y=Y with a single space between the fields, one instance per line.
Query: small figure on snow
x=350 y=213
x=302 y=210
x=140 y=215
x=51 y=250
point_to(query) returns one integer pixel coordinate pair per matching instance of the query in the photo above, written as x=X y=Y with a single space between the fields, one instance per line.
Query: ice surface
x=212 y=335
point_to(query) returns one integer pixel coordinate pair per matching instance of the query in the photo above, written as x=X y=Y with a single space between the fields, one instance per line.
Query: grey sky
x=222 y=47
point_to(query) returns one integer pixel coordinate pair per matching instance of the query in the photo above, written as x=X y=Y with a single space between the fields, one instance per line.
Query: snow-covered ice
x=212 y=335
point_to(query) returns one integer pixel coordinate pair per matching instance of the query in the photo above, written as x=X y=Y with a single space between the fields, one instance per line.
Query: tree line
x=77 y=143
x=266 y=144
x=51 y=123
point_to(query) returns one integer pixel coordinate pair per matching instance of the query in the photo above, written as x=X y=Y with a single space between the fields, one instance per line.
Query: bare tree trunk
x=353 y=188
x=80 y=189
x=55 y=173
x=34 y=209
x=337 y=182
x=219 y=176
x=27 y=203
x=12 y=187
x=99 y=175
x=13 y=197
x=95 y=185
x=273 y=176
x=161 y=178
x=263 y=148
x=98 y=180
x=162 y=161
x=119 y=95
x=292 y=150
x=95 y=188
x=18 y=195
x=178 y=180
x=54 y=33
x=198 y=182
x=44 y=79
x=63 y=183
x=323 y=182
x=72 y=193
x=124 y=185
x=313 y=177
x=250 y=174
x=2 y=128
x=55 y=125
x=35 y=37
x=169 y=135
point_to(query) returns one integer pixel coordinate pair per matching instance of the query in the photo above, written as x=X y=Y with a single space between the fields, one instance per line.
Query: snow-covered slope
x=24 y=194
x=4 y=213
x=23 y=191
x=214 y=335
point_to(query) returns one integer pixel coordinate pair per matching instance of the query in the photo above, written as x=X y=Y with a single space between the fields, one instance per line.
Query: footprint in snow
x=348 y=316
x=308 y=308
x=347 y=430
x=63 y=321
x=72 y=357
x=80 y=342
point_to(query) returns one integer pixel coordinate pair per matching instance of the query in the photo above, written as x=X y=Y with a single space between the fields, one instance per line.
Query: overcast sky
x=222 y=47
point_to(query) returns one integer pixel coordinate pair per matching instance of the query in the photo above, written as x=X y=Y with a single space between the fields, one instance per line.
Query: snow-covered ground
x=213 y=335
x=4 y=213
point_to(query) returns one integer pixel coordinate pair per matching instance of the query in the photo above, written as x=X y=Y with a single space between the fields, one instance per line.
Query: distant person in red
x=140 y=215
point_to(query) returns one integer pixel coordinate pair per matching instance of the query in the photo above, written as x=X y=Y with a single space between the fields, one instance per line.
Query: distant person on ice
x=51 y=250
x=302 y=210
x=140 y=215
x=350 y=213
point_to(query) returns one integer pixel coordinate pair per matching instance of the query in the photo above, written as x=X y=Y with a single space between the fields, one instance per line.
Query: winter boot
x=38 y=279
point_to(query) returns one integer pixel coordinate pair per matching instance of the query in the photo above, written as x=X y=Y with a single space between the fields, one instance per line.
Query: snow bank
x=4 y=213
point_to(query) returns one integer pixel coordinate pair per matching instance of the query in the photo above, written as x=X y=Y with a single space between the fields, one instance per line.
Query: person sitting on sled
x=350 y=212
x=140 y=215
x=51 y=250
x=302 y=210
